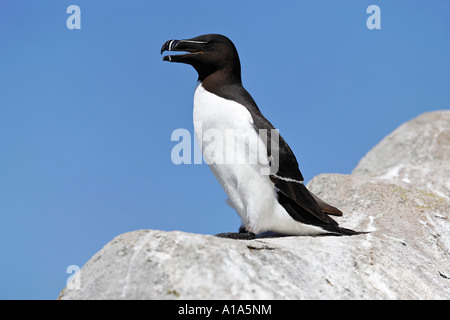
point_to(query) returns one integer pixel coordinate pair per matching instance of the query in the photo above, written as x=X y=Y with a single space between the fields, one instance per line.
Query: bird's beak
x=191 y=46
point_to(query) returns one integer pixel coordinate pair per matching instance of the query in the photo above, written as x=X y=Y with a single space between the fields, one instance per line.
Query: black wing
x=288 y=179
x=299 y=202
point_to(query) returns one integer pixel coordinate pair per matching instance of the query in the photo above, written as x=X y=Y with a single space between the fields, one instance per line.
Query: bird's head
x=208 y=54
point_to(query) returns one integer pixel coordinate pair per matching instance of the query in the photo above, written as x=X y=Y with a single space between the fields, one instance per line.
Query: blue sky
x=86 y=116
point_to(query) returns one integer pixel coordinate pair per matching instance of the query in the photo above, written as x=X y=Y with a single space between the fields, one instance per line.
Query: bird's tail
x=325 y=207
x=345 y=232
x=333 y=226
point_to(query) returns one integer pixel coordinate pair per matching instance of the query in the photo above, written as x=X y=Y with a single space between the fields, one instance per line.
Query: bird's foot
x=237 y=235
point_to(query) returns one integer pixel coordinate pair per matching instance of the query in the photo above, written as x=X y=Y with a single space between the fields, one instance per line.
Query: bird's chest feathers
x=225 y=132
x=214 y=112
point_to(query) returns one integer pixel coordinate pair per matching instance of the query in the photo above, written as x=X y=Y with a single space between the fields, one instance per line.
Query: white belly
x=237 y=165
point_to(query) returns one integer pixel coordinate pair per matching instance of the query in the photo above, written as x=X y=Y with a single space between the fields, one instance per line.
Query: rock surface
x=418 y=153
x=399 y=191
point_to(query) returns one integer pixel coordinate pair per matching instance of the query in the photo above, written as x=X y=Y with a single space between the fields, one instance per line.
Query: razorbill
x=268 y=194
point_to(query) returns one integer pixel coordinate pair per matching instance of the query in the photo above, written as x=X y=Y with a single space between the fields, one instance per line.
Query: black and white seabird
x=277 y=201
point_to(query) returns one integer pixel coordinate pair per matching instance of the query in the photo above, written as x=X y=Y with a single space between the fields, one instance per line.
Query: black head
x=208 y=54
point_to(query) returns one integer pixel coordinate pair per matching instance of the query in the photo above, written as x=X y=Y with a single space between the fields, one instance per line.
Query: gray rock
x=418 y=152
x=405 y=256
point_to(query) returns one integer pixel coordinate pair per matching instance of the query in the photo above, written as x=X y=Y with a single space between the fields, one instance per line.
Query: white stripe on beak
x=194 y=41
x=170 y=44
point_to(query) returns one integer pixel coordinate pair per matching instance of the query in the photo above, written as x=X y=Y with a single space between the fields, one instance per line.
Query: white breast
x=250 y=193
x=215 y=120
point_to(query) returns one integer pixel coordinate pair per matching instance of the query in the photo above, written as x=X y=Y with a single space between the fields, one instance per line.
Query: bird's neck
x=223 y=77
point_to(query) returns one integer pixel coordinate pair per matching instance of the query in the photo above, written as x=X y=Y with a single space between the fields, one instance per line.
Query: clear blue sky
x=86 y=115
